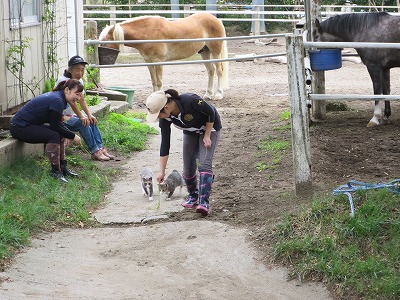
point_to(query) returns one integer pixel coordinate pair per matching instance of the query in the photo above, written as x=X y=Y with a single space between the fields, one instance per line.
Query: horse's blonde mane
x=104 y=32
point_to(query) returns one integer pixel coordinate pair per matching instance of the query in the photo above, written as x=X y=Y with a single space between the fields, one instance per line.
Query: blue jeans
x=90 y=134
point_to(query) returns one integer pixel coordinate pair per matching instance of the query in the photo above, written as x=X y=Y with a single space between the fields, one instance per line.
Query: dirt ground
x=343 y=148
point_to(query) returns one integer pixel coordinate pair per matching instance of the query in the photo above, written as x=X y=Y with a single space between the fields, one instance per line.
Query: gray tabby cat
x=171 y=183
x=147 y=182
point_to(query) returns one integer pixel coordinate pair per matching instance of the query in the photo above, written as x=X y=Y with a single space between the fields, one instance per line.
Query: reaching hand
x=160 y=177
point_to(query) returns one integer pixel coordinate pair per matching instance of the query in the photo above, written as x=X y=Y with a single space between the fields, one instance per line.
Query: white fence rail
x=248 y=13
x=97 y=42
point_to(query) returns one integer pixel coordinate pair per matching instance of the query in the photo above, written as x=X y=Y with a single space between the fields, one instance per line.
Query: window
x=24 y=12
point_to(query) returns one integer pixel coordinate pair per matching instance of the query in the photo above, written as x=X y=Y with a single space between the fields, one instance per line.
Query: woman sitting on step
x=85 y=124
x=40 y=121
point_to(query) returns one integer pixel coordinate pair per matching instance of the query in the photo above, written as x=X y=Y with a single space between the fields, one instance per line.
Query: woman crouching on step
x=40 y=121
x=201 y=125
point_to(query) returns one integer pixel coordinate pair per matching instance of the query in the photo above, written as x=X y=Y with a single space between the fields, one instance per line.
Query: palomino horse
x=367 y=27
x=199 y=25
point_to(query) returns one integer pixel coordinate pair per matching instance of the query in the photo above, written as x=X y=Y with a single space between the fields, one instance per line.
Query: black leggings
x=35 y=134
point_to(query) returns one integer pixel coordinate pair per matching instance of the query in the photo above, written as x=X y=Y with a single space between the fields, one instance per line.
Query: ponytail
x=67 y=73
x=70 y=84
x=172 y=94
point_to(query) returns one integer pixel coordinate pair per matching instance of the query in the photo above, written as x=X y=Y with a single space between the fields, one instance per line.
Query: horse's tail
x=118 y=34
x=225 y=66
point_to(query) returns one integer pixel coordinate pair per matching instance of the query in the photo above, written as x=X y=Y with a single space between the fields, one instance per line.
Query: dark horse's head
x=346 y=27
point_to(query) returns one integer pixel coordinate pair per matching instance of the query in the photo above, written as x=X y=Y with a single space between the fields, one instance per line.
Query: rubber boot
x=206 y=180
x=53 y=154
x=65 y=170
x=192 y=199
x=57 y=174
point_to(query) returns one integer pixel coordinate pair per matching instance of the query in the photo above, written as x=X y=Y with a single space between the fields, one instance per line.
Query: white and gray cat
x=171 y=183
x=147 y=182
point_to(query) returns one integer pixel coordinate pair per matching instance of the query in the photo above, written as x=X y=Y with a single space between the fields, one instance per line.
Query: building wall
x=34 y=74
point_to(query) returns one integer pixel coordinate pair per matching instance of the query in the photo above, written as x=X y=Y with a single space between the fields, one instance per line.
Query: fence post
x=113 y=15
x=258 y=26
x=211 y=5
x=175 y=6
x=299 y=118
x=318 y=84
x=91 y=50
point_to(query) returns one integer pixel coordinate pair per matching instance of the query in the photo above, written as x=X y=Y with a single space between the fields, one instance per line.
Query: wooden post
x=299 y=117
x=257 y=26
x=113 y=15
x=257 y=21
x=91 y=51
x=91 y=55
x=318 y=84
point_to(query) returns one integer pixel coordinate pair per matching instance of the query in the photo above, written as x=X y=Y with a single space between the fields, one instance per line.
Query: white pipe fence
x=187 y=62
x=287 y=14
x=252 y=37
x=97 y=42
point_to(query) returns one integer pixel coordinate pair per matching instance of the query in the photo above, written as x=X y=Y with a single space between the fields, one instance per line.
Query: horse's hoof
x=372 y=124
x=207 y=97
x=218 y=97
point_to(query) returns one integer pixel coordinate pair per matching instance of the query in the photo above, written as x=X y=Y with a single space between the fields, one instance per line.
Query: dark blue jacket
x=194 y=114
x=45 y=108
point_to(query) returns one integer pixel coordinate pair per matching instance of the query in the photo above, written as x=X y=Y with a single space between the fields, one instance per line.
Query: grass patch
x=359 y=256
x=283 y=117
x=32 y=201
x=272 y=150
x=124 y=133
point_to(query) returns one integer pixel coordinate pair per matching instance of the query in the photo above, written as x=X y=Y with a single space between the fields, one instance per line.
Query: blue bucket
x=325 y=59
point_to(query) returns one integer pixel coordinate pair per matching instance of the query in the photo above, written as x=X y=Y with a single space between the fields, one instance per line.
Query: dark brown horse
x=199 y=25
x=367 y=27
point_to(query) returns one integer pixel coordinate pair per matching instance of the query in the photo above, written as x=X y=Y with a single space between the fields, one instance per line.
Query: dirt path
x=141 y=254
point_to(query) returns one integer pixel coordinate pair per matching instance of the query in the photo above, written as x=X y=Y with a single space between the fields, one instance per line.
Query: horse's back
x=202 y=24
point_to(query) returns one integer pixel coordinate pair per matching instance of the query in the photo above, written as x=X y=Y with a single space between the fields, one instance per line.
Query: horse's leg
x=219 y=94
x=153 y=76
x=386 y=91
x=218 y=52
x=376 y=75
x=205 y=55
x=159 y=75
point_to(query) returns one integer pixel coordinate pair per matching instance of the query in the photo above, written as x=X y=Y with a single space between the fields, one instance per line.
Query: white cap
x=154 y=103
